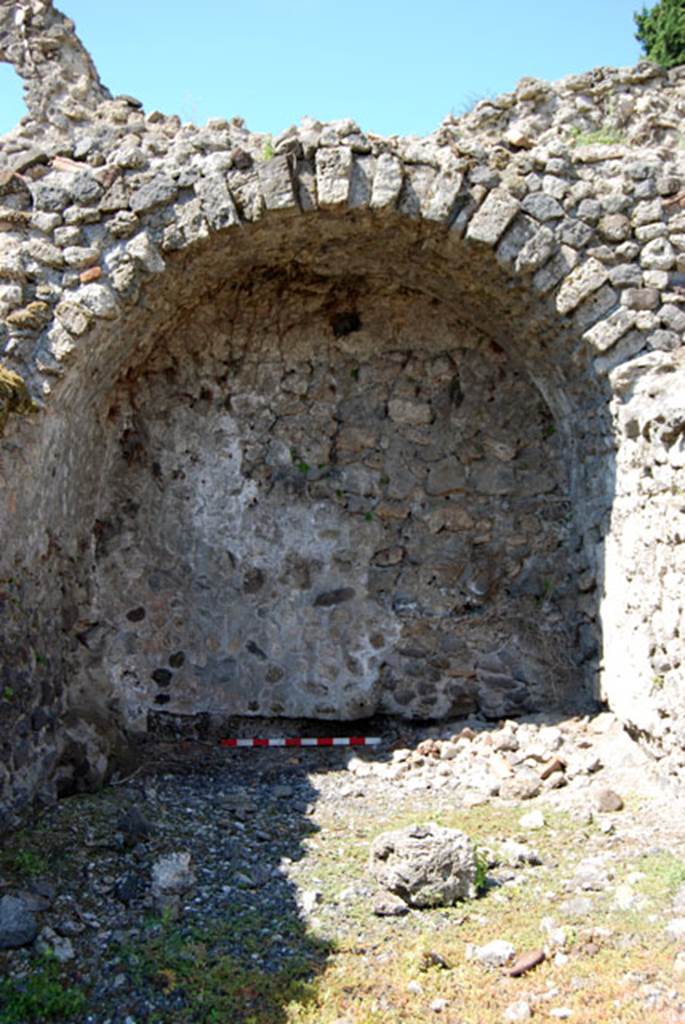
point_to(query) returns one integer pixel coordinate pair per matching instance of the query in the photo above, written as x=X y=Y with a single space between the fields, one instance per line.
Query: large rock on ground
x=18 y=926
x=425 y=865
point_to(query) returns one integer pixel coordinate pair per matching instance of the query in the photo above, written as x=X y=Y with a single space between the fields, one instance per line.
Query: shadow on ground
x=241 y=948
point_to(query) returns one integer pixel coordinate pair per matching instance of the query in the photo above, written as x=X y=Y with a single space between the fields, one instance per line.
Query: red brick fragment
x=91 y=274
x=555 y=765
x=526 y=962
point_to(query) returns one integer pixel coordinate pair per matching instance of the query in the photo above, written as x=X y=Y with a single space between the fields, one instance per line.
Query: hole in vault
x=345 y=323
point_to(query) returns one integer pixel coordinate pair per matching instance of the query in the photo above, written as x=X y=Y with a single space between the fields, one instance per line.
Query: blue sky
x=395 y=67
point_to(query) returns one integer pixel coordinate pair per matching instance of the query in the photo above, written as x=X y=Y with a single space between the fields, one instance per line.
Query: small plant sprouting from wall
x=605 y=135
x=14 y=396
x=470 y=101
x=299 y=463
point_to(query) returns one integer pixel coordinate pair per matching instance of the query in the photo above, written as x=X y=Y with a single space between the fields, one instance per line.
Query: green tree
x=661 y=32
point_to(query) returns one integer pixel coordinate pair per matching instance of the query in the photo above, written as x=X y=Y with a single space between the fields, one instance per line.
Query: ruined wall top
x=628 y=105
x=567 y=183
x=638 y=106
x=61 y=84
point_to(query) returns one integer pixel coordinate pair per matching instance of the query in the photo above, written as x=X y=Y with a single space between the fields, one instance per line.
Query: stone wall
x=331 y=424
x=330 y=513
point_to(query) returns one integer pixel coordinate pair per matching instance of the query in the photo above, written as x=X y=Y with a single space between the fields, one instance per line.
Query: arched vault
x=328 y=426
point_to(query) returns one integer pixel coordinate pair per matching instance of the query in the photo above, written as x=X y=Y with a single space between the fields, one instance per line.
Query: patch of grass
x=216 y=986
x=24 y=862
x=43 y=848
x=41 y=996
x=603 y=136
x=664 y=874
x=385 y=971
x=258 y=965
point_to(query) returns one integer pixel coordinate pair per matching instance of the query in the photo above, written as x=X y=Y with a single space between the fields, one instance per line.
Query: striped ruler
x=303 y=741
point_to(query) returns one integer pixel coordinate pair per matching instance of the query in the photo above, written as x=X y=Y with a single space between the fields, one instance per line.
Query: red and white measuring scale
x=303 y=741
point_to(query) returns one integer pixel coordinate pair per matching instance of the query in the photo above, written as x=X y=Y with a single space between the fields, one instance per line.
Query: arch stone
x=335 y=424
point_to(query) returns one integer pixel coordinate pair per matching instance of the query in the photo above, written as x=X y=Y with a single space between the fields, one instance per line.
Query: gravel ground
x=252 y=821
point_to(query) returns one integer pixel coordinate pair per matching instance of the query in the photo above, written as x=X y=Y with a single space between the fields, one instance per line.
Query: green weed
x=298 y=462
x=14 y=396
x=41 y=996
x=481 y=871
x=23 y=862
x=220 y=986
x=664 y=874
x=604 y=136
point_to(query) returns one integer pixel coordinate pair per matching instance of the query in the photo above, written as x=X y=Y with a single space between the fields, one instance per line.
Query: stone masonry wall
x=309 y=519
x=330 y=423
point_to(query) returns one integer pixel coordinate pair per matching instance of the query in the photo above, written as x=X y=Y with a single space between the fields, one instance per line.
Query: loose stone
x=18 y=925
x=607 y=801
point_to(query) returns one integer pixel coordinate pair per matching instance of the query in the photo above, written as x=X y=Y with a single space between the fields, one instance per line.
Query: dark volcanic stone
x=134 y=825
x=332 y=597
x=18 y=925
